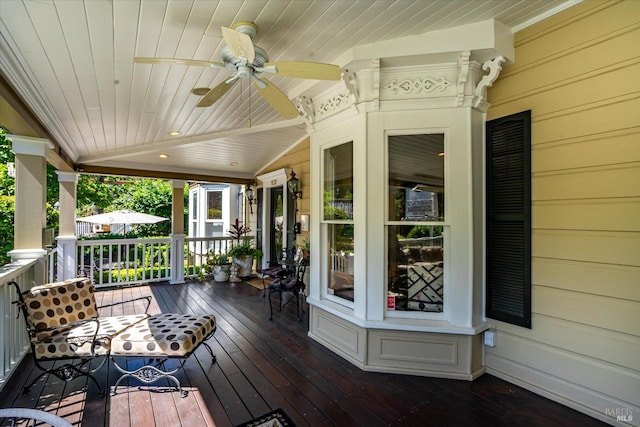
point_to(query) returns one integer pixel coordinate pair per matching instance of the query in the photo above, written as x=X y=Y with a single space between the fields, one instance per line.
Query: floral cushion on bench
x=164 y=335
x=76 y=341
x=55 y=304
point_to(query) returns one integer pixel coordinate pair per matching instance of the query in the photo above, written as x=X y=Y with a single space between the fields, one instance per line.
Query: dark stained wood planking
x=263 y=365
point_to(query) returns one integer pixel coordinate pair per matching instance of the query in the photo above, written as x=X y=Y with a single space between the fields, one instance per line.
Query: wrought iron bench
x=63 y=324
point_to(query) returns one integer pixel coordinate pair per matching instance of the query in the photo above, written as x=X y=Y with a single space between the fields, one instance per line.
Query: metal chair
x=17 y=415
x=293 y=283
x=274 y=271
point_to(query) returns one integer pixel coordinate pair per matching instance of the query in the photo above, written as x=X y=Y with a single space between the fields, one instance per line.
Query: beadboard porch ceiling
x=71 y=64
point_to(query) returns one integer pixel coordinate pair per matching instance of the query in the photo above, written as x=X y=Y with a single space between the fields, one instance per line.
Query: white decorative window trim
x=334 y=104
x=418 y=85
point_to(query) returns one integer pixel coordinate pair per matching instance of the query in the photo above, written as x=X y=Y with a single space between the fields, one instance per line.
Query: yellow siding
x=578 y=72
x=298 y=159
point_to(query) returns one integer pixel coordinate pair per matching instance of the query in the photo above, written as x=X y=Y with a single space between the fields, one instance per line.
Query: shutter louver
x=509 y=219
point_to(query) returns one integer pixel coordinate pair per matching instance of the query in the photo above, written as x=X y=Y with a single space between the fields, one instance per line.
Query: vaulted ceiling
x=66 y=68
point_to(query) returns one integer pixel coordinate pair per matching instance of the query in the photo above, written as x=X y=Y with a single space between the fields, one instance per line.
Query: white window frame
x=446 y=226
x=325 y=260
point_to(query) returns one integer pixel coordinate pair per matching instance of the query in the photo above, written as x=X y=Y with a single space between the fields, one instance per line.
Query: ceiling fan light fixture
x=244 y=71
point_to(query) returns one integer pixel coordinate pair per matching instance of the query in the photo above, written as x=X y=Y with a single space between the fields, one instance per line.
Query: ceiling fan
x=249 y=61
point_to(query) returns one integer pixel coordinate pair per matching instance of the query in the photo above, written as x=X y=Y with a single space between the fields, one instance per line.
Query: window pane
x=338 y=182
x=416 y=178
x=213 y=229
x=214 y=204
x=194 y=206
x=340 y=239
x=416 y=268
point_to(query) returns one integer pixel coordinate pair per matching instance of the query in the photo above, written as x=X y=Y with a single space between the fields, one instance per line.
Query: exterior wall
x=298 y=159
x=432 y=354
x=578 y=73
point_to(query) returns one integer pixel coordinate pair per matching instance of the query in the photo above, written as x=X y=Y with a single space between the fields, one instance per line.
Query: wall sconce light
x=250 y=195
x=294 y=185
x=295 y=188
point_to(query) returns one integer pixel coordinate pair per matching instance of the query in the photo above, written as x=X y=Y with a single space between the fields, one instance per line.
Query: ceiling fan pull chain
x=249 y=121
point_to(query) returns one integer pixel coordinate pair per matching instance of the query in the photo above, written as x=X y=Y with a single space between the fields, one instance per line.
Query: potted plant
x=243 y=254
x=242 y=251
x=219 y=265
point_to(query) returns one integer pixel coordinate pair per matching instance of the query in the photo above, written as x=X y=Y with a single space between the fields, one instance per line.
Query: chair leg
x=270 y=307
x=301 y=291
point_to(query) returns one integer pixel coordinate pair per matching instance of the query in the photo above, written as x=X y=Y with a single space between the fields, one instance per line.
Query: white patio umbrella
x=123 y=216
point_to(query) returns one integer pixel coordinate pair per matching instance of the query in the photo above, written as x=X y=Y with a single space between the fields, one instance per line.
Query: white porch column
x=177 y=232
x=30 y=201
x=66 y=239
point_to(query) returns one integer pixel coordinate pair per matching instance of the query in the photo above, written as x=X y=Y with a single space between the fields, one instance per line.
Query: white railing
x=342 y=262
x=14 y=342
x=422 y=241
x=52 y=265
x=114 y=262
x=197 y=248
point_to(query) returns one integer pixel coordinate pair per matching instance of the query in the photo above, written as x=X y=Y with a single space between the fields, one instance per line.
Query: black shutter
x=509 y=219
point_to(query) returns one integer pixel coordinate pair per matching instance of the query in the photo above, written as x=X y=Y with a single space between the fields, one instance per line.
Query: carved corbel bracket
x=493 y=67
x=351 y=84
x=464 y=63
x=305 y=107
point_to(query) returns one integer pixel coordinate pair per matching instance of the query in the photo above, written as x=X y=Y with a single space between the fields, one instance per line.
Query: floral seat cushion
x=164 y=335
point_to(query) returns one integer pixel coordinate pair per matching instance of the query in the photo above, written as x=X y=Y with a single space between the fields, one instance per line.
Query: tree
x=149 y=196
x=93 y=193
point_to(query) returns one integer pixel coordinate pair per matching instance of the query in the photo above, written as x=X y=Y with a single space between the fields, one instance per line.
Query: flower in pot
x=243 y=254
x=242 y=251
x=219 y=265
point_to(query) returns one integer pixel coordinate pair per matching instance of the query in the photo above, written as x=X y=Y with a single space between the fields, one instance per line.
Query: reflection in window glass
x=341 y=260
x=338 y=217
x=194 y=206
x=415 y=248
x=416 y=177
x=416 y=268
x=338 y=182
x=214 y=204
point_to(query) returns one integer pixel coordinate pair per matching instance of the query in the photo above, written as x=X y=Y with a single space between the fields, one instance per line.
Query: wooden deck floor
x=263 y=365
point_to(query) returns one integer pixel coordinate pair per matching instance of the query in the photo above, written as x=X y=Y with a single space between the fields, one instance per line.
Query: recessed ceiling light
x=163 y=156
x=234 y=164
x=174 y=133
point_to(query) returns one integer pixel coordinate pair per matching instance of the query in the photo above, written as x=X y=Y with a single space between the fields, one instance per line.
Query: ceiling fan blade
x=306 y=70
x=277 y=99
x=240 y=44
x=142 y=60
x=216 y=93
